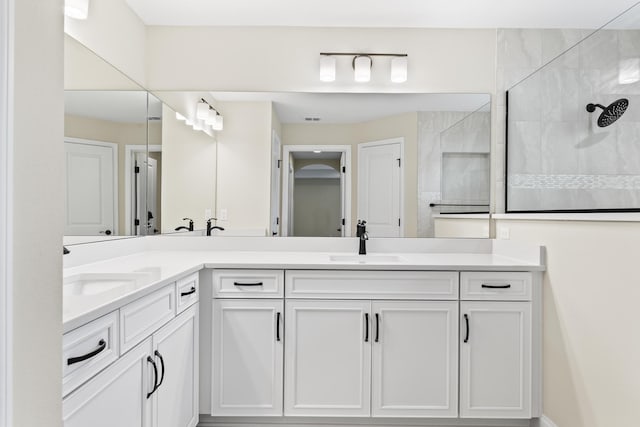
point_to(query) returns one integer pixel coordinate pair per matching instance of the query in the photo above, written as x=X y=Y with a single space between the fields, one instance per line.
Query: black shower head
x=611 y=113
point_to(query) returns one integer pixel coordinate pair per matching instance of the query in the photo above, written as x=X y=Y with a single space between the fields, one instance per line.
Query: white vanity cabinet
x=496 y=345
x=248 y=339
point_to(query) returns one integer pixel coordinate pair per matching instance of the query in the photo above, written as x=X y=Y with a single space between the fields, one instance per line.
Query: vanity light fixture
x=209 y=115
x=362 y=64
x=76 y=9
x=180 y=117
x=202 y=110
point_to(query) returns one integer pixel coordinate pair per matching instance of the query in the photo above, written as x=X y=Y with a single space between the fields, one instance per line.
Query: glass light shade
x=211 y=117
x=76 y=9
x=202 y=110
x=219 y=123
x=198 y=125
x=629 y=71
x=399 y=69
x=180 y=117
x=362 y=69
x=327 y=68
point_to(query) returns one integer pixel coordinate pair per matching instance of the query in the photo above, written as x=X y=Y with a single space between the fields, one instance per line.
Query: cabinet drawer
x=248 y=283
x=87 y=350
x=434 y=285
x=141 y=318
x=489 y=285
x=187 y=292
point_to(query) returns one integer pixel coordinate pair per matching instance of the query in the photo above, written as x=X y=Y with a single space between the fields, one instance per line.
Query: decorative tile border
x=574 y=182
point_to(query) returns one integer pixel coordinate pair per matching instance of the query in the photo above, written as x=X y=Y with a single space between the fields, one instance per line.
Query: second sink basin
x=97 y=283
x=366 y=259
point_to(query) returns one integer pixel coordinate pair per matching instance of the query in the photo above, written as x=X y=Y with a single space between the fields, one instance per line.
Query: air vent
x=312 y=119
x=154 y=118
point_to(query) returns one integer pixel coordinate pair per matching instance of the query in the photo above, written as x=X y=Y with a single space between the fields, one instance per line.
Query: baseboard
x=546 y=422
x=208 y=421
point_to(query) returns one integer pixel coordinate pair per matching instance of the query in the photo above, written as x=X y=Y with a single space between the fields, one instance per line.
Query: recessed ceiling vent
x=312 y=119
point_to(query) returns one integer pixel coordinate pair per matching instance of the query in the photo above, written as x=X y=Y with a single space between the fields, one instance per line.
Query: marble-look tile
x=599 y=51
x=560 y=90
x=629 y=43
x=524 y=149
x=519 y=48
x=508 y=77
x=465 y=177
x=558 y=143
x=525 y=102
x=628 y=147
x=558 y=48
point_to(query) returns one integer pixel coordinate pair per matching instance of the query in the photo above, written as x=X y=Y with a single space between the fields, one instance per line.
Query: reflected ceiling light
x=362 y=68
x=327 y=68
x=180 y=117
x=399 y=69
x=218 y=123
x=76 y=9
x=209 y=115
x=317 y=151
x=629 y=71
x=362 y=64
x=202 y=110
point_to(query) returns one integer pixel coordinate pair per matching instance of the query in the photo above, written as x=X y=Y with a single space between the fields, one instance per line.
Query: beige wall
x=244 y=167
x=317 y=210
x=115 y=34
x=591 y=296
x=122 y=134
x=402 y=125
x=37 y=209
x=188 y=173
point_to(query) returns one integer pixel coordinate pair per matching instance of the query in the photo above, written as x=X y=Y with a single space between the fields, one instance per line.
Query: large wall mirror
x=284 y=164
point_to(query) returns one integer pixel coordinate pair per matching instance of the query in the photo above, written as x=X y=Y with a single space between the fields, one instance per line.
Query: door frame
x=389 y=141
x=6 y=220
x=114 y=154
x=274 y=229
x=286 y=151
x=129 y=152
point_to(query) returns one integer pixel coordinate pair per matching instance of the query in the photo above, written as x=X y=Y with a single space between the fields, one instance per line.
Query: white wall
x=591 y=295
x=188 y=173
x=287 y=59
x=37 y=210
x=114 y=33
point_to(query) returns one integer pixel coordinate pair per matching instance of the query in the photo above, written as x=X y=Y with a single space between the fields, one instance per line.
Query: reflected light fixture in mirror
x=76 y=9
x=399 y=69
x=362 y=68
x=327 y=68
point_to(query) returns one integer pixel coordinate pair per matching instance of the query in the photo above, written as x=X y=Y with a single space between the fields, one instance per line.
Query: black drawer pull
x=247 y=284
x=366 y=327
x=155 y=376
x=377 y=327
x=189 y=292
x=485 y=285
x=157 y=353
x=278 y=326
x=466 y=320
x=101 y=346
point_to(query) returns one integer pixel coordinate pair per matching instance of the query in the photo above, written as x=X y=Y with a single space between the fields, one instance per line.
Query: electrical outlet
x=223 y=215
x=207 y=214
x=504 y=233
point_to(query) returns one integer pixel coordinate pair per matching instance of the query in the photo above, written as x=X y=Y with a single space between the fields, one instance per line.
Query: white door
x=328 y=358
x=175 y=350
x=495 y=359
x=380 y=187
x=153 y=227
x=247 y=357
x=276 y=162
x=415 y=359
x=91 y=193
x=115 y=397
x=139 y=194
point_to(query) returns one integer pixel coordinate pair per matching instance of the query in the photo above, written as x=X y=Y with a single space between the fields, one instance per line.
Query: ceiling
x=383 y=13
x=113 y=106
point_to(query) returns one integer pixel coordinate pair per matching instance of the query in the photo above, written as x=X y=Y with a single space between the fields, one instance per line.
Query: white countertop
x=165 y=266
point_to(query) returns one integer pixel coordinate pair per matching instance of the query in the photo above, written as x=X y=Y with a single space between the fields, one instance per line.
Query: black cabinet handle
x=485 y=285
x=377 y=327
x=101 y=346
x=155 y=376
x=466 y=320
x=189 y=292
x=247 y=284
x=278 y=326
x=157 y=353
x=366 y=327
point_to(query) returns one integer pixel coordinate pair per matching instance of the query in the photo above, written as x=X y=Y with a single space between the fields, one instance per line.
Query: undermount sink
x=97 y=283
x=366 y=259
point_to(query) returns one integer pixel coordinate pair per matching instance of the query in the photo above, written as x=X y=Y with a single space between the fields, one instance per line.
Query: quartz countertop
x=164 y=267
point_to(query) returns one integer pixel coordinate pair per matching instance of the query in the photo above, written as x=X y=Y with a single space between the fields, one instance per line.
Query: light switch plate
x=223 y=215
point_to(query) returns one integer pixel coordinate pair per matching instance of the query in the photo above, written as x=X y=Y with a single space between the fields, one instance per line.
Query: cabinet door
x=328 y=358
x=415 y=359
x=247 y=357
x=175 y=349
x=495 y=359
x=115 y=397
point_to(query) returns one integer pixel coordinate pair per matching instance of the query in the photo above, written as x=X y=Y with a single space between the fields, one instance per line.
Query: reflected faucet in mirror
x=361 y=233
x=183 y=227
x=214 y=227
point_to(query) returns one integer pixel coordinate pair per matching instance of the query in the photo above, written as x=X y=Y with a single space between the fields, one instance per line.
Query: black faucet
x=362 y=234
x=183 y=227
x=215 y=227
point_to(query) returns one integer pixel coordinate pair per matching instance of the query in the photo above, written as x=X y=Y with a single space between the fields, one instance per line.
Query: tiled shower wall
x=560 y=158
x=450 y=132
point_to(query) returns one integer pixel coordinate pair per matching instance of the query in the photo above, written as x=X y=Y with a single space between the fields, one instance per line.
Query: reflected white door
x=380 y=187
x=91 y=192
x=152 y=196
x=275 y=184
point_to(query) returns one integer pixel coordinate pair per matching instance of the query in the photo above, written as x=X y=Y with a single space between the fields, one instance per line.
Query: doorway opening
x=316 y=190
x=142 y=195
